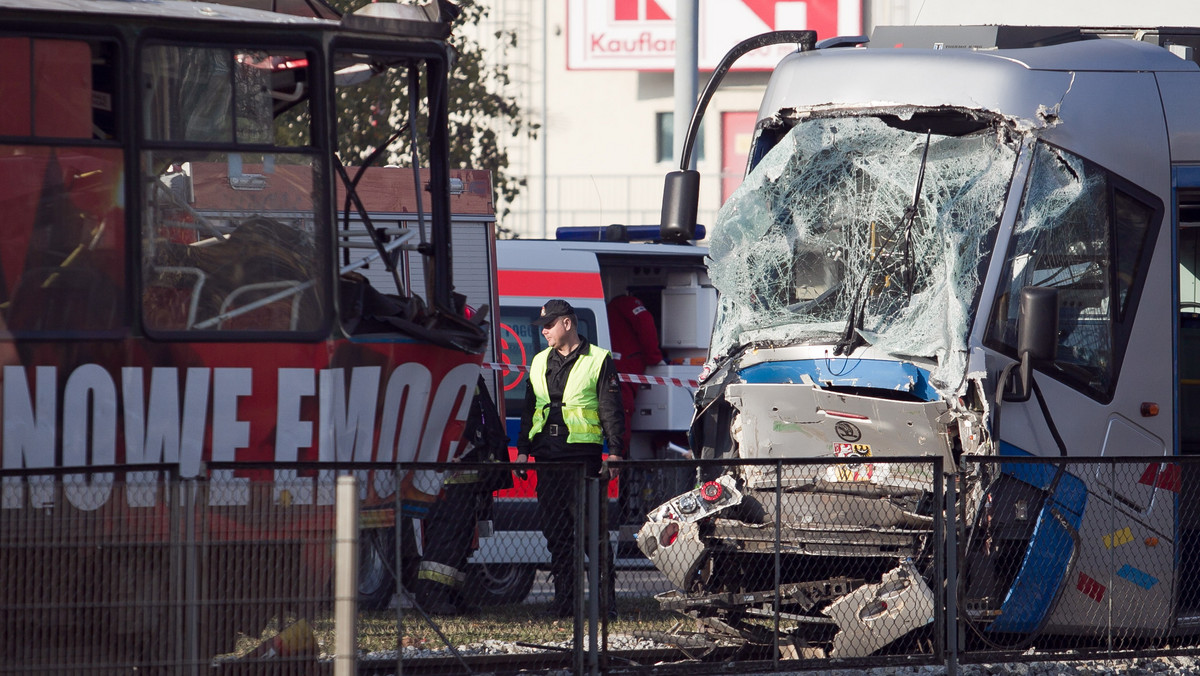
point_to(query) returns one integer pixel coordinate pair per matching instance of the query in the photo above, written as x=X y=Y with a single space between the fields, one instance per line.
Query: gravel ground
x=1156 y=666
x=1165 y=666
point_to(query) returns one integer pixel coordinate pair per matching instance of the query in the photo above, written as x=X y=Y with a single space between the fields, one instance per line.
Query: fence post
x=346 y=578
x=579 y=568
x=1112 y=555
x=398 y=527
x=950 y=553
x=191 y=570
x=777 y=582
x=595 y=501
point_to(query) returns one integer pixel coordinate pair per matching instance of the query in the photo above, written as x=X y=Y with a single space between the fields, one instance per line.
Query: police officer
x=572 y=406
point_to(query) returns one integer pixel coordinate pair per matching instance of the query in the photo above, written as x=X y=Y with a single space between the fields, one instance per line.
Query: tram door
x=1187 y=375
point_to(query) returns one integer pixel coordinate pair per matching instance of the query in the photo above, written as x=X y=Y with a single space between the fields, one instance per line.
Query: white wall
x=599 y=136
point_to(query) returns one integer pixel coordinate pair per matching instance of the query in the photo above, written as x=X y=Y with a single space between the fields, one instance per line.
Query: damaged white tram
x=986 y=250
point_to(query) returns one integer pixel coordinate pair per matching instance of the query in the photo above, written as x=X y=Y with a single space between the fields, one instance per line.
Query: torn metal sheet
x=874 y=615
x=675 y=548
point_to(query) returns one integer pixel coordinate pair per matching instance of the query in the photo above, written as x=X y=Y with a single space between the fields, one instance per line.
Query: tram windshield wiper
x=910 y=216
x=851 y=338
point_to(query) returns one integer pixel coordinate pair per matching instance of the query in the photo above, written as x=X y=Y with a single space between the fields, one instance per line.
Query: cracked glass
x=869 y=230
x=1079 y=234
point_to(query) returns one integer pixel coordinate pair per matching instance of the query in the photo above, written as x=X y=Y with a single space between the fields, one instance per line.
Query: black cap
x=552 y=310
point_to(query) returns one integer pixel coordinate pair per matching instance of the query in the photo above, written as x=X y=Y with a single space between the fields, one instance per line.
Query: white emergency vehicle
x=588 y=267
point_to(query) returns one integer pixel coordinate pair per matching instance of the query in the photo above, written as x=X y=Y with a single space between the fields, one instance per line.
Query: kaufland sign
x=640 y=34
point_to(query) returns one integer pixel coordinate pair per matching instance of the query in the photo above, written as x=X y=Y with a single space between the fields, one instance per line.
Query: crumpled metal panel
x=789 y=421
x=681 y=556
x=874 y=615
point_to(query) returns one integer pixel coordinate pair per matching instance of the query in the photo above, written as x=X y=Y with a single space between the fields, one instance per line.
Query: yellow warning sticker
x=1121 y=537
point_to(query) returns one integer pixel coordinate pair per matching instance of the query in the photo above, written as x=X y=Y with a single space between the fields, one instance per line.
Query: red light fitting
x=711 y=491
x=669 y=534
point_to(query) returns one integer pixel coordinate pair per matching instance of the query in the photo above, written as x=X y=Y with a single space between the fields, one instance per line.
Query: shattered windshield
x=860 y=230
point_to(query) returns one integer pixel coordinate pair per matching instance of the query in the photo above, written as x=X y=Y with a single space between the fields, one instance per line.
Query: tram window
x=216 y=260
x=1082 y=234
x=1188 y=353
x=223 y=95
x=62 y=243
x=62 y=260
x=57 y=88
x=231 y=239
x=1131 y=221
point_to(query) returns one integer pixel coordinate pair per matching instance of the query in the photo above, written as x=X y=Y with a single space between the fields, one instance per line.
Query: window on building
x=666 y=140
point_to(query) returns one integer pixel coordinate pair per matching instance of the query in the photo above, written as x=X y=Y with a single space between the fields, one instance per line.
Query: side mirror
x=681 y=199
x=681 y=194
x=1037 y=337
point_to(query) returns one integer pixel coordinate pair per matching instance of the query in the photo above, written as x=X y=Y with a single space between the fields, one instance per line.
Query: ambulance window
x=520 y=340
x=1086 y=233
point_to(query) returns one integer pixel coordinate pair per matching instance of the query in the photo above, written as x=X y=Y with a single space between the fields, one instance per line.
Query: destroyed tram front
x=872 y=271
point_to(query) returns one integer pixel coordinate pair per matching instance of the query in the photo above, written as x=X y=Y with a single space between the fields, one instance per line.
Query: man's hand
x=521 y=473
x=612 y=472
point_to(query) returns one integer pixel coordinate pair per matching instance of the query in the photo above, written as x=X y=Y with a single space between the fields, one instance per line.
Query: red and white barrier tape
x=627 y=377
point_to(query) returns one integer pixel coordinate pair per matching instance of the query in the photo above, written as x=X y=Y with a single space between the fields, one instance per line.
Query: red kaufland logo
x=640 y=34
x=638 y=10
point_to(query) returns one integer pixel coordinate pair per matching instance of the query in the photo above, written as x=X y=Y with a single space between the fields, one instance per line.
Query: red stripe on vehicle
x=1090 y=587
x=550 y=284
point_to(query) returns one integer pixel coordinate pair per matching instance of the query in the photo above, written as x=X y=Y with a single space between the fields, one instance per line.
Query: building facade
x=597 y=76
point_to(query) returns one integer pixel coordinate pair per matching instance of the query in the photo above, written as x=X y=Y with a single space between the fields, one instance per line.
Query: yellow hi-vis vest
x=580 y=405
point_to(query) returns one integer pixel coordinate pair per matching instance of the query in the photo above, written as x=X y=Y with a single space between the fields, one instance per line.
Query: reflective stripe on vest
x=441 y=573
x=463 y=476
x=580 y=405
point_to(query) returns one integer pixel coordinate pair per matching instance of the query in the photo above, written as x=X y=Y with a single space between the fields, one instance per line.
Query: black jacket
x=612 y=417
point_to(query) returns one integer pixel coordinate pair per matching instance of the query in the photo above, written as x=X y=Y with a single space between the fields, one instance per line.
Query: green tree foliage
x=481 y=114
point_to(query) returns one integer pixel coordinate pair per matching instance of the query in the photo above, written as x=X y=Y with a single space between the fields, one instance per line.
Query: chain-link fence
x=743 y=561
x=1088 y=557
x=132 y=570
x=782 y=565
x=806 y=564
x=91 y=577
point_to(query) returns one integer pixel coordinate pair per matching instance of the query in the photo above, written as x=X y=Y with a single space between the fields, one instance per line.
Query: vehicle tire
x=494 y=584
x=376 y=582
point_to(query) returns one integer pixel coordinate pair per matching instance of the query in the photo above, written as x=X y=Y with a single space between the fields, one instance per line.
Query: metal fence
x=759 y=605
x=784 y=565
x=131 y=569
x=1100 y=556
x=998 y=559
